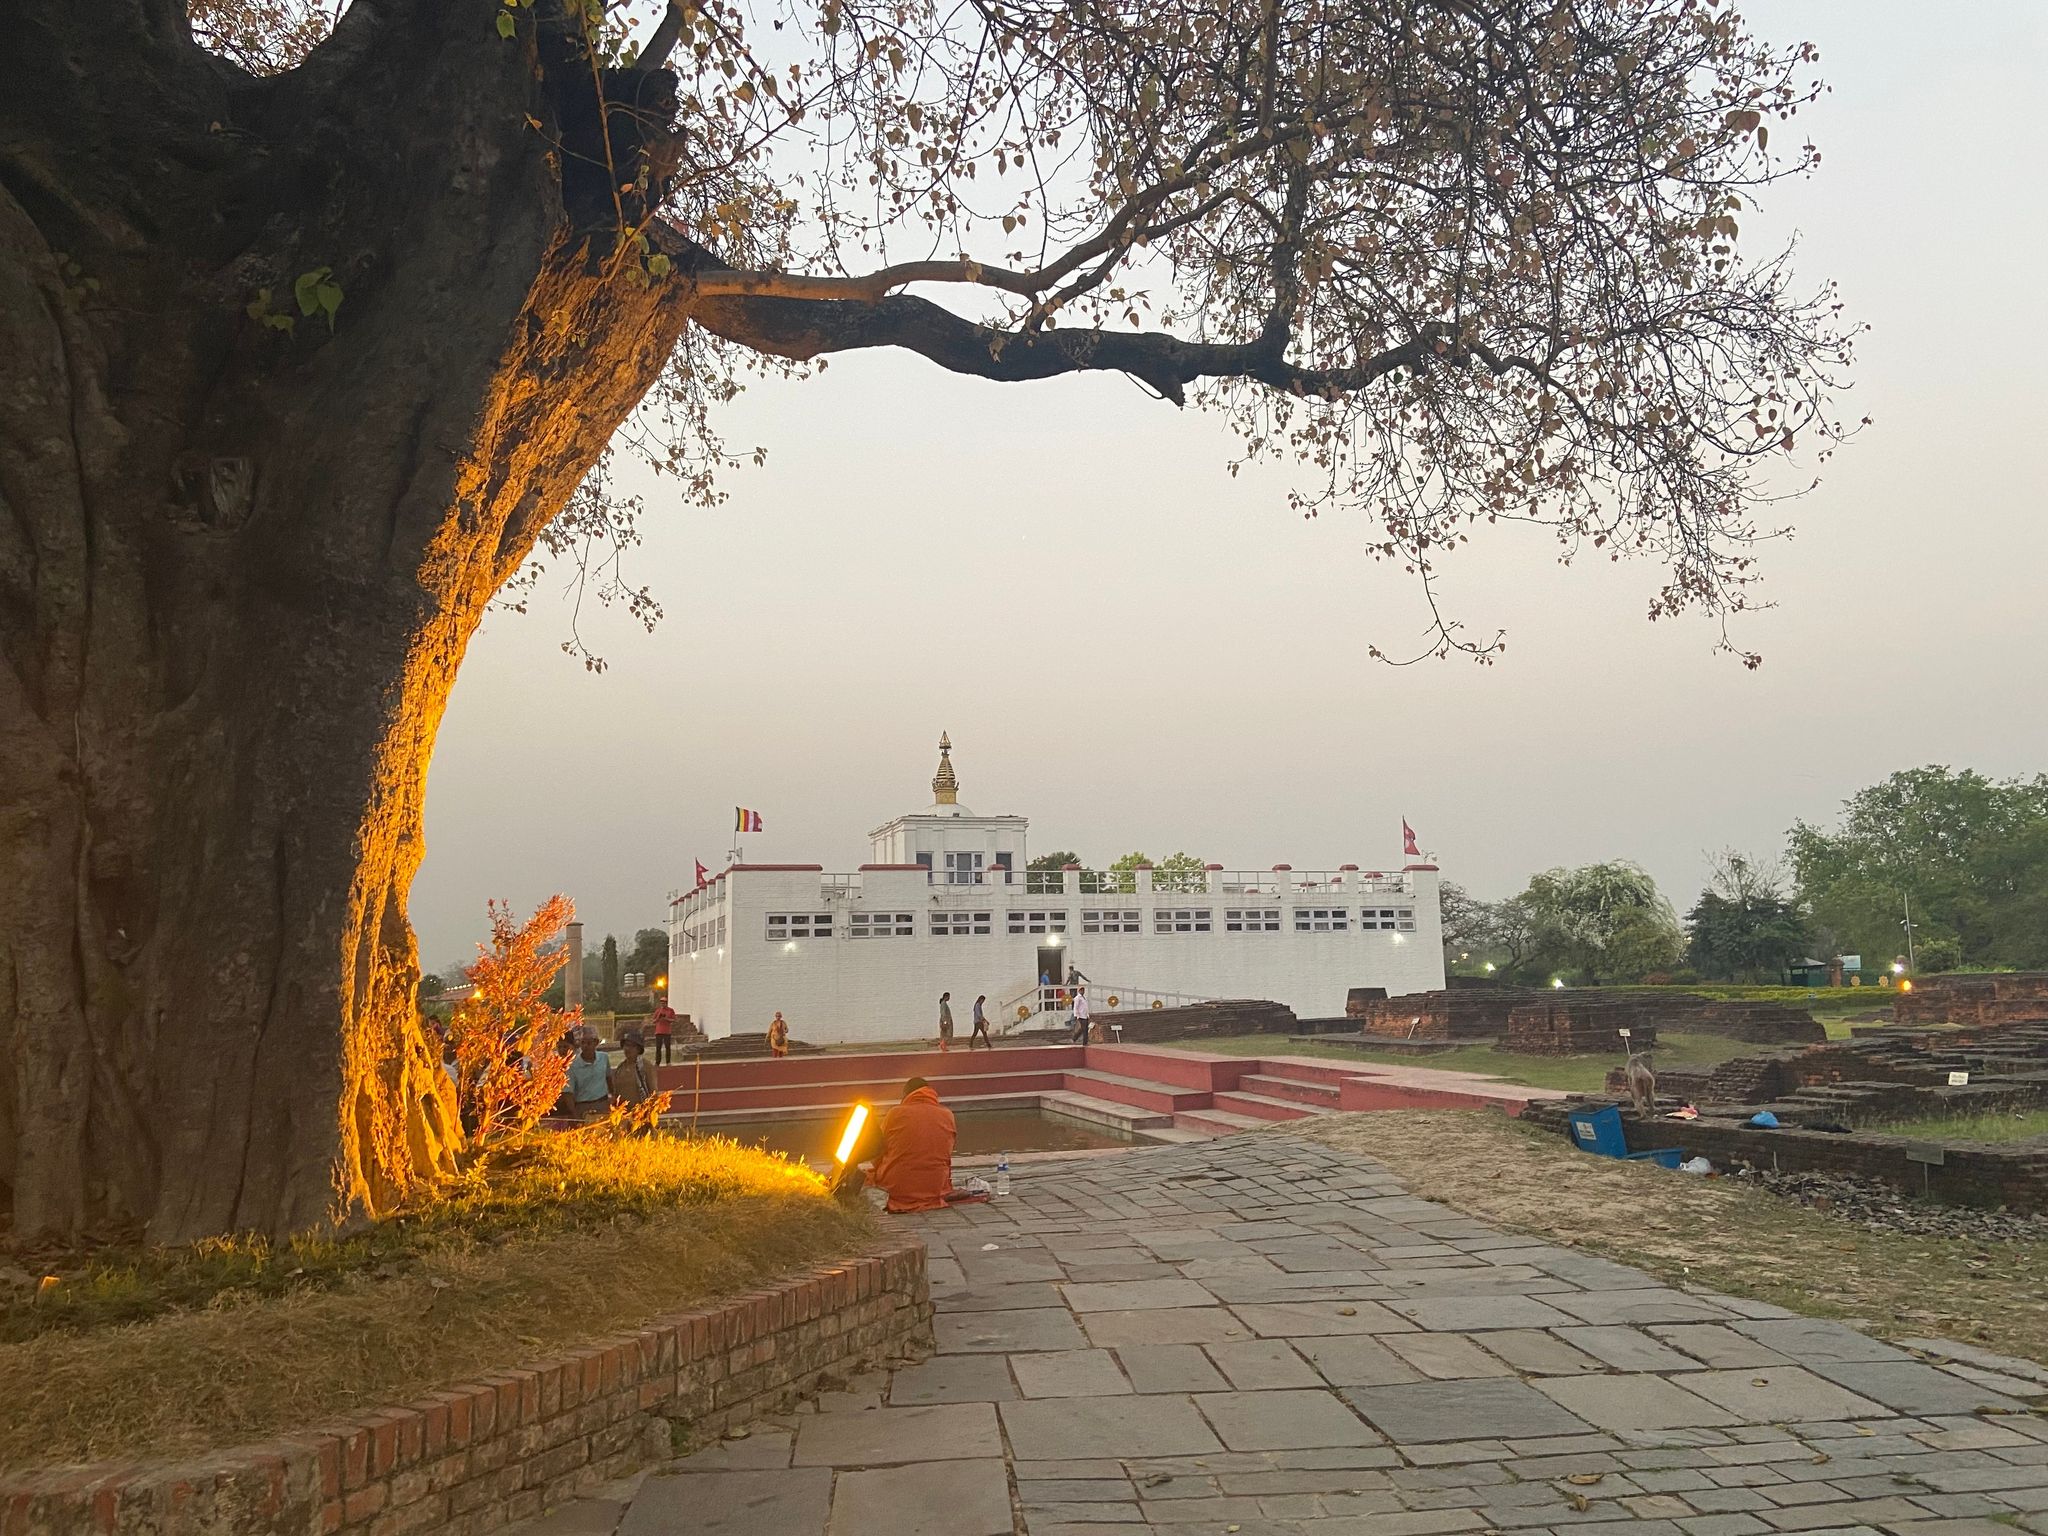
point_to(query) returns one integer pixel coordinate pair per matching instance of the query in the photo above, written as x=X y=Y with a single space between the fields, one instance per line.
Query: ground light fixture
x=1557 y=981
x=849 y=1143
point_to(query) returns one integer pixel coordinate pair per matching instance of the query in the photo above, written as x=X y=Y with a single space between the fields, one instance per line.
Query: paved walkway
x=1264 y=1337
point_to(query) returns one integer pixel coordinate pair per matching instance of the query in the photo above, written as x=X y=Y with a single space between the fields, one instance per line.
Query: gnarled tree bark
x=239 y=567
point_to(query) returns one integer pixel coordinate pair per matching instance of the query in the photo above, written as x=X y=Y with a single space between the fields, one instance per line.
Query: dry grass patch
x=1720 y=1234
x=583 y=1239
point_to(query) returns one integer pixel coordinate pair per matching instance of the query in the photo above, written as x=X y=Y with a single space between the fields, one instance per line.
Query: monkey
x=1642 y=1084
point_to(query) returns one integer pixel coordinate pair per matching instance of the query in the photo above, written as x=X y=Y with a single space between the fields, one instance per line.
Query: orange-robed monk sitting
x=915 y=1165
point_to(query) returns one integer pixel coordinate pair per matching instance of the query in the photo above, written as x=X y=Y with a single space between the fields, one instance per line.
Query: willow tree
x=314 y=336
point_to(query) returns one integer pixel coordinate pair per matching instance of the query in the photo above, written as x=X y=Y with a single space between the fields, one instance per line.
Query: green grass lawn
x=2007 y=1125
x=1569 y=1074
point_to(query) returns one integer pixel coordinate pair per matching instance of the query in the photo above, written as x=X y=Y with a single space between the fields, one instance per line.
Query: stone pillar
x=572 y=973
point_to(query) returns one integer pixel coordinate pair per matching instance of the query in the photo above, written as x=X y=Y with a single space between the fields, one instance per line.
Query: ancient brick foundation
x=513 y=1444
x=1445 y=1015
x=2010 y=998
x=1576 y=1026
x=1225 y=1017
x=1977 y=1174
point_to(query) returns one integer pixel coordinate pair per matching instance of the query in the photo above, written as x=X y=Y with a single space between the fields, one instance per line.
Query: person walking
x=945 y=1021
x=778 y=1035
x=981 y=1024
x=590 y=1087
x=632 y=1080
x=1080 y=1016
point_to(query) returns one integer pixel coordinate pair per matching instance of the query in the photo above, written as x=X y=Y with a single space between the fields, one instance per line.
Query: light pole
x=1911 y=964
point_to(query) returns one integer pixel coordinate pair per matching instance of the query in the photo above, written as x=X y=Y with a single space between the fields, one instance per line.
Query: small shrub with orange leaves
x=505 y=1033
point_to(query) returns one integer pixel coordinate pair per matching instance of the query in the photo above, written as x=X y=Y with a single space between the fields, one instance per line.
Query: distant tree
x=1047 y=867
x=1467 y=922
x=650 y=953
x=1176 y=872
x=505 y=1032
x=1744 y=927
x=1970 y=852
x=1513 y=929
x=608 y=974
x=1601 y=922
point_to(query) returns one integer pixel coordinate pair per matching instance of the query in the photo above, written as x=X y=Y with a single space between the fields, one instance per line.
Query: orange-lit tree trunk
x=238 y=569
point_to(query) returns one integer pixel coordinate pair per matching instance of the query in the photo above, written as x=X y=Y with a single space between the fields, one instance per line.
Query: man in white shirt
x=1080 y=1016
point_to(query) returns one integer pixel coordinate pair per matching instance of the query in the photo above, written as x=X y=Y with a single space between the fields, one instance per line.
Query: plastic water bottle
x=1002 y=1173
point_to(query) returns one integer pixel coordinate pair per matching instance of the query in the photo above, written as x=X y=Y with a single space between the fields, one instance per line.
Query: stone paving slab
x=954 y=1379
x=791 y=1501
x=1137 y=1295
x=1070 y=1373
x=945 y=1432
x=1159 y=1424
x=1269 y=1338
x=1283 y=1420
x=1781 y=1393
x=1184 y=1325
x=1008 y=1332
x=940 y=1498
x=1911 y=1387
x=1169 y=1368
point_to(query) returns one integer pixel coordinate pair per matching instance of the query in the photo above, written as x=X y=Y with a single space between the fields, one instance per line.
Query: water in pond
x=982 y=1132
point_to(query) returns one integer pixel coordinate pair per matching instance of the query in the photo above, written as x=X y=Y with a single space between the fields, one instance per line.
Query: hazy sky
x=1137 y=651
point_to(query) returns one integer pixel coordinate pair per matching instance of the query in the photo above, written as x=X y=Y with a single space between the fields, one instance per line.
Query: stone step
x=1293 y=1089
x=1103 y=1112
x=1218 y=1122
x=1265 y=1108
x=1142 y=1092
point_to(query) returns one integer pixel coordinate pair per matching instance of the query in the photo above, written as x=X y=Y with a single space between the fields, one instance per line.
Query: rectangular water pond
x=982 y=1132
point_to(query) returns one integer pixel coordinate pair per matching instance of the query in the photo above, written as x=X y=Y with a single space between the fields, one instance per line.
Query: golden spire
x=945 y=787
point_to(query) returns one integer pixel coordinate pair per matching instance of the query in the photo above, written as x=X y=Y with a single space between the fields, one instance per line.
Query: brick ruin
x=1834 y=1100
x=2009 y=998
x=1547 y=1022
x=1458 y=1014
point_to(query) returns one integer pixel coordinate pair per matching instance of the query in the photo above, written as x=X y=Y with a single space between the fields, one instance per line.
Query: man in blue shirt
x=590 y=1081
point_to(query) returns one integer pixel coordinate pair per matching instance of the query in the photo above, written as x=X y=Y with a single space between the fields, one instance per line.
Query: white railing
x=1038 y=1000
x=1106 y=998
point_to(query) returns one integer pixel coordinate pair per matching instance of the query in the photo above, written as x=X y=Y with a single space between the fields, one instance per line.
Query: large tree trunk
x=238 y=569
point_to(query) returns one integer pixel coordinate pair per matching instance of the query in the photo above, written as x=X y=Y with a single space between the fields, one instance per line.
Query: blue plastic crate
x=1600 y=1132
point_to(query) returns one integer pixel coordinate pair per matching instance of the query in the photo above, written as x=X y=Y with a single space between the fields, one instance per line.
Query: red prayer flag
x=1408 y=840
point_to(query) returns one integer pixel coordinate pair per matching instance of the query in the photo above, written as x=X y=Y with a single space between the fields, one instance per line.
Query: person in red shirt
x=916 y=1163
x=664 y=1029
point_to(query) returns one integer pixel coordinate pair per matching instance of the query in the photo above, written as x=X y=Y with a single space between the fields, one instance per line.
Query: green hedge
x=1797 y=997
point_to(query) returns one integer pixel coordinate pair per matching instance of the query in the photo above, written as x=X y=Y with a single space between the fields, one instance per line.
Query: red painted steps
x=1217 y=1122
x=1295 y=1090
x=1259 y=1106
x=839 y=1094
x=1135 y=1091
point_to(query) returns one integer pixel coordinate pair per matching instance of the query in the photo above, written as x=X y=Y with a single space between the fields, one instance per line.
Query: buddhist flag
x=745 y=820
x=1408 y=840
x=703 y=875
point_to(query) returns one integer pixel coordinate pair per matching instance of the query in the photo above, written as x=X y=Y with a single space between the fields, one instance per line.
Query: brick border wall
x=514 y=1443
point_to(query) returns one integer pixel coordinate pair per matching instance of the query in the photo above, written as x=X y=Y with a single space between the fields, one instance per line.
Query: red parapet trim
x=1212 y=867
x=1070 y=866
x=873 y=868
x=1405 y=868
x=784 y=869
x=1347 y=868
x=1283 y=869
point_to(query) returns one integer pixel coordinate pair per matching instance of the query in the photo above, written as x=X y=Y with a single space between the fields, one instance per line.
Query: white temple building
x=946 y=904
